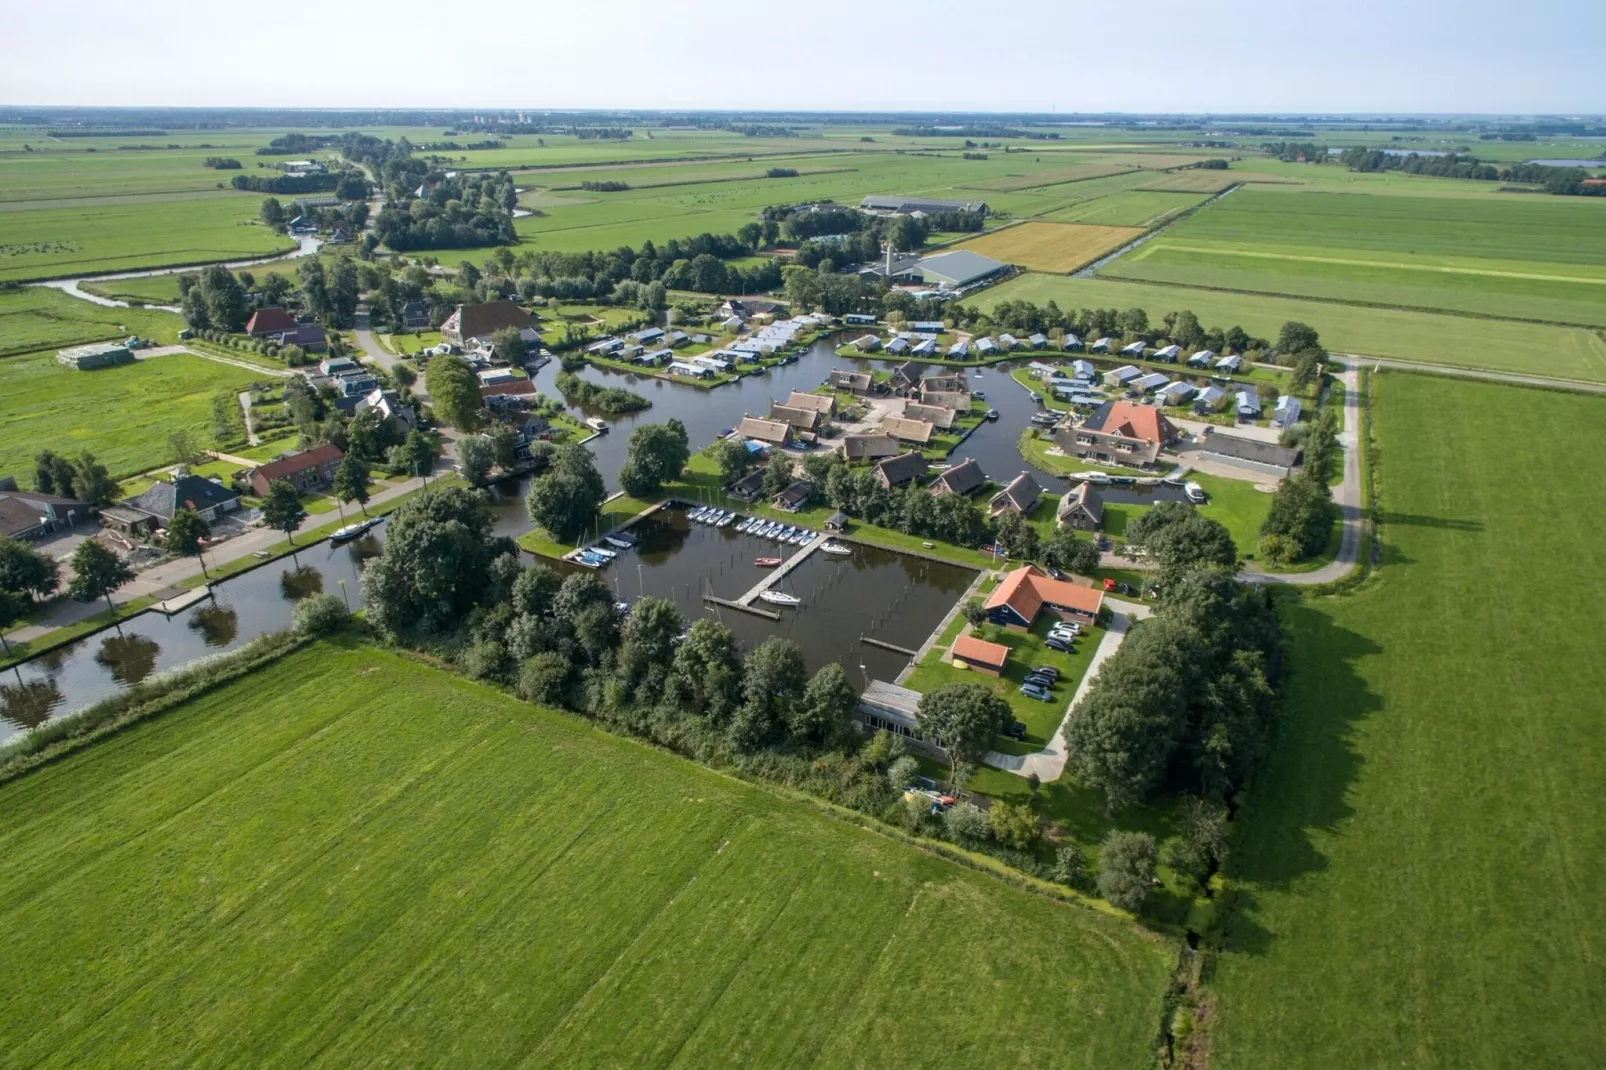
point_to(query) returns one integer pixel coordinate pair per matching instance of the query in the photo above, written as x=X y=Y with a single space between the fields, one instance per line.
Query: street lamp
x=345 y=595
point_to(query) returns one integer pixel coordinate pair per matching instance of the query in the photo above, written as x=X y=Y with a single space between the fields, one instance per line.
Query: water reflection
x=130 y=658
x=217 y=625
x=297 y=583
x=29 y=704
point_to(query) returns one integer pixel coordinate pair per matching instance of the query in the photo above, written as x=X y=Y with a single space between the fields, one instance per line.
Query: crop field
x=1051 y=246
x=1076 y=172
x=1422 y=858
x=1523 y=258
x=1136 y=208
x=350 y=857
x=1429 y=337
x=1192 y=182
x=52 y=243
x=36 y=317
x=124 y=415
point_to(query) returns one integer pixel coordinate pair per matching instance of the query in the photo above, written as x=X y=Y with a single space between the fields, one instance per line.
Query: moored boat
x=780 y=598
x=766 y=562
x=836 y=548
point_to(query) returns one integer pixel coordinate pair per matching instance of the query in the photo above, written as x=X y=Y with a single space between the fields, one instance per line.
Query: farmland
x=353 y=857
x=1057 y=247
x=1421 y=859
x=55 y=242
x=1135 y=208
x=1429 y=337
x=35 y=318
x=1520 y=258
x=123 y=415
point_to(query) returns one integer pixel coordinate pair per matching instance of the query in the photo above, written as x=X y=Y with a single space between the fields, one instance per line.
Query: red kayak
x=766 y=562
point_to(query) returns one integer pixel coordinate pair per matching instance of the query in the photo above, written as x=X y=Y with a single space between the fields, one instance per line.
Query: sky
x=1254 y=56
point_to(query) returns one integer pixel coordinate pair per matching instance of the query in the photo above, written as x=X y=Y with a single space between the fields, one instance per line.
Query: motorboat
x=992 y=414
x=623 y=540
x=766 y=562
x=780 y=598
x=1096 y=478
x=837 y=548
x=352 y=531
x=978 y=395
x=697 y=513
x=607 y=555
x=1194 y=492
x=802 y=537
x=727 y=520
x=597 y=424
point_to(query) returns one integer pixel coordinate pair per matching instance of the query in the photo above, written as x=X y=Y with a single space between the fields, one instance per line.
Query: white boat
x=596 y=423
x=836 y=548
x=697 y=513
x=780 y=598
x=1194 y=493
x=1092 y=477
x=745 y=525
x=727 y=520
x=622 y=540
x=802 y=537
x=351 y=531
x=609 y=554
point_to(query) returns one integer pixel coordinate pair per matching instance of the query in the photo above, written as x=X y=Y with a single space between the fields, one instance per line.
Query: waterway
x=243 y=607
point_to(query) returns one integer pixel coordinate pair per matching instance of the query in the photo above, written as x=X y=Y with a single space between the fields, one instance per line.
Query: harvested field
x=1052 y=247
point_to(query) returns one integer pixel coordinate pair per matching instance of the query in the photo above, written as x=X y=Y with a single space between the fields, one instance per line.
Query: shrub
x=1126 y=869
x=488 y=660
x=544 y=678
x=1070 y=866
x=965 y=823
x=1013 y=826
x=320 y=614
x=901 y=773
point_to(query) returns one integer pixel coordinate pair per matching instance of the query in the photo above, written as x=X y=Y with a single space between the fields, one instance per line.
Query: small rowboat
x=766 y=562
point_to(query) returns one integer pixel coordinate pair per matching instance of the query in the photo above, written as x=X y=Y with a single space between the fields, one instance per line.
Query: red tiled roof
x=300 y=462
x=513 y=386
x=1138 y=421
x=981 y=651
x=270 y=321
x=1025 y=590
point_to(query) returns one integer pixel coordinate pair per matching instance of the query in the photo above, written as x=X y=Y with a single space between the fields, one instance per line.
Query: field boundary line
x=1347 y=262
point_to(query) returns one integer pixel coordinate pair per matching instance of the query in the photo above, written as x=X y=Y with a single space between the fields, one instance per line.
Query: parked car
x=1046 y=670
x=1040 y=681
x=1062 y=645
x=1016 y=730
x=1032 y=691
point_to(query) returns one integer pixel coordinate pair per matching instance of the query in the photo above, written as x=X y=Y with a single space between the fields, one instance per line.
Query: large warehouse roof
x=960 y=267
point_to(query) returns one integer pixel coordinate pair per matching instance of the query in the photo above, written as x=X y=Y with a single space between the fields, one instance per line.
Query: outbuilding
x=969 y=652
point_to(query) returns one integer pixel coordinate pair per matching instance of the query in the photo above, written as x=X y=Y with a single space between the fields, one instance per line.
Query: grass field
x=1432 y=338
x=55 y=242
x=124 y=415
x=37 y=317
x=352 y=858
x=1057 y=247
x=1539 y=258
x=1422 y=856
x=1134 y=208
x=1193 y=182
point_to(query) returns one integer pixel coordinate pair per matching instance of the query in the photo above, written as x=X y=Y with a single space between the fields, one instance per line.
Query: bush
x=965 y=823
x=902 y=773
x=1126 y=869
x=544 y=678
x=1070 y=866
x=488 y=660
x=320 y=614
x=1013 y=826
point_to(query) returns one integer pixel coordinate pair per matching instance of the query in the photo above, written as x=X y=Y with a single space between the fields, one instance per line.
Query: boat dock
x=181 y=601
x=757 y=611
x=770 y=580
x=884 y=645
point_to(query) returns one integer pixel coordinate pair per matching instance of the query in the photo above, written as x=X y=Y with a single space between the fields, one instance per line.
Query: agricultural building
x=959 y=269
x=470 y=324
x=96 y=355
x=910 y=205
x=1252 y=455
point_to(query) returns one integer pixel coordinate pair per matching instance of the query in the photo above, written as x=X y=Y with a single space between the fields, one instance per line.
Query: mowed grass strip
x=123 y=415
x=349 y=857
x=1055 y=247
x=1427 y=337
x=1422 y=857
x=1130 y=209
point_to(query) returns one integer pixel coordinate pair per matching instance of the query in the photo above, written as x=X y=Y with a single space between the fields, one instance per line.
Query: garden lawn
x=123 y=415
x=1427 y=337
x=350 y=857
x=1422 y=854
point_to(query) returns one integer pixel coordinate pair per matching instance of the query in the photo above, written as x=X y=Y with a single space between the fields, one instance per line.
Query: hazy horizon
x=1369 y=57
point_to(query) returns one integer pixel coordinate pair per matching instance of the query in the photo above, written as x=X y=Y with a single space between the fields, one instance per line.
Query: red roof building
x=269 y=321
x=979 y=654
x=1017 y=601
x=306 y=471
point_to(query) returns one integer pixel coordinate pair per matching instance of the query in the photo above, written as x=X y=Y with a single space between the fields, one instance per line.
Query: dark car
x=1044 y=682
x=1016 y=730
x=1046 y=670
x=1061 y=645
x=1055 y=573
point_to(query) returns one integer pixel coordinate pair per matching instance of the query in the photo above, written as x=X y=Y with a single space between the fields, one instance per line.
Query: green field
x=352 y=858
x=1422 y=856
x=1538 y=258
x=1134 y=208
x=1432 y=338
x=36 y=317
x=124 y=415
x=55 y=242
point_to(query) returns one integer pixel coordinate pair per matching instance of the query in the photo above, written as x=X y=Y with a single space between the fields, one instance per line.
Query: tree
x=647 y=648
x=1017 y=537
x=1201 y=839
x=826 y=712
x=224 y=297
x=1296 y=336
x=271 y=212
x=1126 y=869
x=655 y=455
x=706 y=679
x=504 y=445
x=476 y=454
x=1066 y=550
x=97 y=572
x=733 y=458
x=53 y=474
x=1070 y=865
x=418 y=452
x=565 y=500
x=184 y=534
x=13 y=607
x=965 y=823
x=351 y=480
x=281 y=509
x=92 y=482
x=26 y=571
x=508 y=345
x=975 y=613
x=1299 y=520
x=314 y=287
x=1013 y=826
x=777 y=473
x=963 y=719
x=544 y=677
x=1180 y=539
x=436 y=563
x=454 y=390
x=775 y=679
